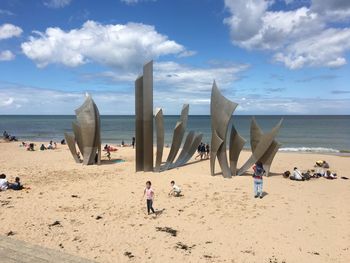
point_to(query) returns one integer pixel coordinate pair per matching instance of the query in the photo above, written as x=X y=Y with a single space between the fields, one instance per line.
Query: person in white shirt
x=3 y=182
x=175 y=190
x=297 y=175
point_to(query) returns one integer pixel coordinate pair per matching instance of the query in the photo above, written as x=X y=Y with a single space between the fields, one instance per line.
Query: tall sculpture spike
x=144 y=119
x=221 y=111
x=236 y=145
x=256 y=130
x=87 y=133
x=160 y=138
x=178 y=135
x=262 y=146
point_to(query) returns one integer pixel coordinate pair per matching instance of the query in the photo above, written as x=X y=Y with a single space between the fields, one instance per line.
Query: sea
x=324 y=134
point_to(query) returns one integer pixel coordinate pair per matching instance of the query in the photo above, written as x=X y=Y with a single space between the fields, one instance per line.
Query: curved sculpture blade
x=269 y=155
x=261 y=148
x=221 y=110
x=185 y=149
x=160 y=138
x=178 y=135
x=71 y=145
x=88 y=119
x=255 y=134
x=236 y=145
x=86 y=132
x=78 y=138
x=196 y=141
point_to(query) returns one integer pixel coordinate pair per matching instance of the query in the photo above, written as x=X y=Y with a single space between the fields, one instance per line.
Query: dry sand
x=101 y=215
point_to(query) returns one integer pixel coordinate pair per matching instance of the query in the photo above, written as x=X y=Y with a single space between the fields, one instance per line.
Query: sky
x=280 y=57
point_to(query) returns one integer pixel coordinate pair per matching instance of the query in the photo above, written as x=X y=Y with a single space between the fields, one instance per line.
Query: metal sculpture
x=236 y=145
x=86 y=133
x=260 y=144
x=190 y=150
x=178 y=135
x=160 y=138
x=144 y=119
x=221 y=111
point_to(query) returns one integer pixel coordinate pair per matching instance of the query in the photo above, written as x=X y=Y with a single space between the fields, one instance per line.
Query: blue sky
x=271 y=57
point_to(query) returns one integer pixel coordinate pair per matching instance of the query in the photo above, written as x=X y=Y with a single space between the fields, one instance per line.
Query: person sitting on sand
x=149 y=197
x=330 y=175
x=286 y=174
x=63 y=142
x=50 y=146
x=297 y=176
x=258 y=179
x=42 y=147
x=3 y=182
x=175 y=190
x=16 y=185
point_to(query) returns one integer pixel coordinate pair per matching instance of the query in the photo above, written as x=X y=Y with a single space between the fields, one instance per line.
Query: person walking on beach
x=258 y=179
x=149 y=197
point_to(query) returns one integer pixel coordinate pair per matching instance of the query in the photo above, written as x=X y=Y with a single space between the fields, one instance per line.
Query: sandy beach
x=100 y=215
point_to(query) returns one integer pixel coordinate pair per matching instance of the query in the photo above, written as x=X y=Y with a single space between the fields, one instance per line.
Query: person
x=330 y=175
x=50 y=146
x=203 y=151
x=42 y=147
x=258 y=179
x=108 y=153
x=207 y=149
x=3 y=182
x=63 y=142
x=133 y=142
x=30 y=147
x=286 y=174
x=175 y=190
x=149 y=197
x=123 y=143
x=16 y=185
x=297 y=176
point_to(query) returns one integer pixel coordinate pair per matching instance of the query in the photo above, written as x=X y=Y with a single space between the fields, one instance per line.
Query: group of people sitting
x=4 y=184
x=321 y=170
x=51 y=146
x=9 y=137
x=203 y=151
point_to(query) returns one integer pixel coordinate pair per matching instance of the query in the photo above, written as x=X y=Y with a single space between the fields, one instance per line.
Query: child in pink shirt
x=149 y=197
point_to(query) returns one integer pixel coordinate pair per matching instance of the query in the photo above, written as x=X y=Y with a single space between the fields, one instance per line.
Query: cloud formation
x=16 y=99
x=6 y=55
x=56 y=3
x=120 y=46
x=304 y=37
x=8 y=31
x=132 y=2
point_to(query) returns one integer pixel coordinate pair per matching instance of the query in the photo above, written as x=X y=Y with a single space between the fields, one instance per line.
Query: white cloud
x=121 y=46
x=16 y=99
x=132 y=2
x=332 y=9
x=6 y=12
x=57 y=3
x=9 y=31
x=184 y=78
x=300 y=37
x=6 y=55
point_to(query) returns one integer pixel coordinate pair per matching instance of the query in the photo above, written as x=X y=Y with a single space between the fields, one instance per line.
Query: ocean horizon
x=299 y=133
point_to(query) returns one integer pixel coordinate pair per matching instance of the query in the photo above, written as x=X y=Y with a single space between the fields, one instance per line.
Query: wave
x=309 y=149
